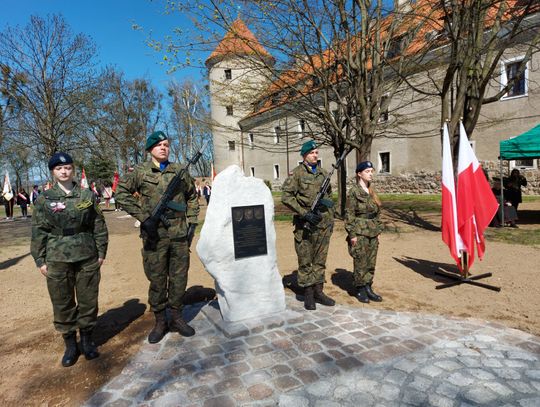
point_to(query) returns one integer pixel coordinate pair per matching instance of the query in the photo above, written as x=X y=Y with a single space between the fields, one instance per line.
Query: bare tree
x=337 y=63
x=462 y=59
x=121 y=117
x=52 y=70
x=190 y=124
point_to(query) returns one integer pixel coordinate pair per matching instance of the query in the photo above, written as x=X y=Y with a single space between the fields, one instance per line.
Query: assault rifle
x=319 y=199
x=149 y=227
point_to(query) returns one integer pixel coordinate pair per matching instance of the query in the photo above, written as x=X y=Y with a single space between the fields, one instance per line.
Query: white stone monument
x=248 y=283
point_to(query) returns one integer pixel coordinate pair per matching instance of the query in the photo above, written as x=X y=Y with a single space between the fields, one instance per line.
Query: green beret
x=307 y=147
x=154 y=138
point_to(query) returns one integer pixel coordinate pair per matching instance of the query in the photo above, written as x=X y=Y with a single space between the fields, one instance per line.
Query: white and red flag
x=84 y=181
x=476 y=204
x=449 y=226
x=7 y=191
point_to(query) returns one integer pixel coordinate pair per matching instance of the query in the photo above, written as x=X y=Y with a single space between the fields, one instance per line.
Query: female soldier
x=69 y=243
x=363 y=225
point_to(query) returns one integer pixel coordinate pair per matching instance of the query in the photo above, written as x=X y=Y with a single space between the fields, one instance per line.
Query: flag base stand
x=465 y=277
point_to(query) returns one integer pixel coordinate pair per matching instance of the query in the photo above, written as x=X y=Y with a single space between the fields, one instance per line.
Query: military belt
x=69 y=231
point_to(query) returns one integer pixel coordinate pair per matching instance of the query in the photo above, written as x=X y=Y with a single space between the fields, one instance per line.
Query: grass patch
x=284 y=217
x=528 y=237
x=411 y=202
x=531 y=198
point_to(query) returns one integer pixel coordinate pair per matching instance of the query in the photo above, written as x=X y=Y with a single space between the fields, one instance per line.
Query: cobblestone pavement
x=335 y=356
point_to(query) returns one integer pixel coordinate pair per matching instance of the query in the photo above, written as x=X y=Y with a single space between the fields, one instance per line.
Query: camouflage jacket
x=300 y=189
x=149 y=183
x=67 y=228
x=362 y=214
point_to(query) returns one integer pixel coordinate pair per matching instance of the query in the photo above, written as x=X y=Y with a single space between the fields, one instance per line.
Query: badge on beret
x=62 y=158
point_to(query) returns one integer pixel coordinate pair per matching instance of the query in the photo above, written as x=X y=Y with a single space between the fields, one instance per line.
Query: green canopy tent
x=526 y=146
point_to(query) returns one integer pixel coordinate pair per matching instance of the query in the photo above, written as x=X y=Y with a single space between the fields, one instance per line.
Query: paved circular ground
x=335 y=356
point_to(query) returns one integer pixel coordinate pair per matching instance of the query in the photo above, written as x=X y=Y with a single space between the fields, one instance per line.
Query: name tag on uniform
x=84 y=204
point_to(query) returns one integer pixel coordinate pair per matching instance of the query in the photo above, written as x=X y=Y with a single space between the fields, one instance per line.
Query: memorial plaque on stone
x=249 y=231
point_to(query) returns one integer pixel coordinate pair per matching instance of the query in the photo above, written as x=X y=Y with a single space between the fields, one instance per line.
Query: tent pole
x=502 y=190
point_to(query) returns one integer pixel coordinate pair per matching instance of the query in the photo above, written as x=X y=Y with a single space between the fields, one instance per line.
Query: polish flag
x=449 y=225
x=476 y=204
x=84 y=181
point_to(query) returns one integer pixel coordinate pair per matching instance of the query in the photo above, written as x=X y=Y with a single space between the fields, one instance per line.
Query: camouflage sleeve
x=40 y=232
x=124 y=194
x=101 y=234
x=289 y=194
x=350 y=213
x=192 y=201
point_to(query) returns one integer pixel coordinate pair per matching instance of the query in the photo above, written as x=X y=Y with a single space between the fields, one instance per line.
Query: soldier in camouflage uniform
x=310 y=242
x=69 y=243
x=363 y=225
x=165 y=265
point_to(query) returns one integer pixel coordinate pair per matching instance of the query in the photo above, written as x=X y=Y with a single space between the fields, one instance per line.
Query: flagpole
x=468 y=165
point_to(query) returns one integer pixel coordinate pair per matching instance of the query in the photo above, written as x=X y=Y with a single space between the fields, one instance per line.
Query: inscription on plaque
x=249 y=231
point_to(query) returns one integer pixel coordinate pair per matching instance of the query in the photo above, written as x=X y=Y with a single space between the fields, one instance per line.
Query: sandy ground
x=30 y=349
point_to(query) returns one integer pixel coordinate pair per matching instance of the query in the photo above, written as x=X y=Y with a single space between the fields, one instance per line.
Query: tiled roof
x=239 y=40
x=426 y=12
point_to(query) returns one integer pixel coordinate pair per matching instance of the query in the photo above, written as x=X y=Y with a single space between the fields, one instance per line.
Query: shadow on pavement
x=11 y=262
x=290 y=281
x=197 y=297
x=344 y=279
x=410 y=217
x=427 y=268
x=115 y=320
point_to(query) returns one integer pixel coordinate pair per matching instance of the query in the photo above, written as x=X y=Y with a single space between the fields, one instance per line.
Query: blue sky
x=109 y=24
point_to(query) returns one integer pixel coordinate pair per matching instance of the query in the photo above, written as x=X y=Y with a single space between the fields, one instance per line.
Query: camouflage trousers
x=364 y=255
x=167 y=270
x=312 y=250
x=74 y=288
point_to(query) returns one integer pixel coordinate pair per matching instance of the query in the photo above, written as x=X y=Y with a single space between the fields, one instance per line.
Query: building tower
x=238 y=72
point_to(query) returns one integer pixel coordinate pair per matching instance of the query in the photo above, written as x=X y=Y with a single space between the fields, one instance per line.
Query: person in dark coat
x=23 y=200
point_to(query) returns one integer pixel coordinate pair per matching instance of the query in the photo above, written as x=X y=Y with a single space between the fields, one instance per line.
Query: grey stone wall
x=430 y=182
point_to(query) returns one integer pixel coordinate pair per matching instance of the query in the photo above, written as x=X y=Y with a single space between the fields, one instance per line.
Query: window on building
x=250 y=140
x=252 y=171
x=232 y=145
x=510 y=72
x=523 y=164
x=230 y=110
x=228 y=74
x=384 y=162
x=301 y=127
x=276 y=171
x=277 y=134
x=395 y=46
x=384 y=110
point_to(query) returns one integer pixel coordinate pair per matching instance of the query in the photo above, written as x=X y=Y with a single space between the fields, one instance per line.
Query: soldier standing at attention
x=69 y=243
x=310 y=242
x=165 y=265
x=363 y=225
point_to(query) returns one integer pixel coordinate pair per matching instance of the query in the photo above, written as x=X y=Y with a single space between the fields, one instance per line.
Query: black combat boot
x=88 y=346
x=160 y=328
x=179 y=325
x=309 y=299
x=72 y=351
x=361 y=294
x=372 y=295
x=321 y=297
